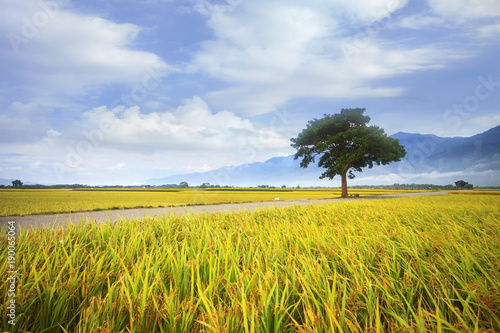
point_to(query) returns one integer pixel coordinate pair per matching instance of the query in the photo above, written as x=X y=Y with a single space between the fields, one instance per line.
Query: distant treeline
x=129 y=189
x=273 y=189
x=209 y=187
x=39 y=186
x=409 y=187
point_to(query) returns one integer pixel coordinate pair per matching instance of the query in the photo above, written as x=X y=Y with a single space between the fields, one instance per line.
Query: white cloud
x=419 y=21
x=490 y=31
x=365 y=12
x=480 y=17
x=485 y=122
x=191 y=126
x=277 y=51
x=463 y=10
x=118 y=166
x=56 y=51
x=110 y=145
x=260 y=42
x=23 y=122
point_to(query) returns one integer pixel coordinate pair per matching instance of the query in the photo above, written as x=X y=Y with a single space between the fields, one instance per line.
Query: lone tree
x=345 y=144
x=17 y=183
x=464 y=185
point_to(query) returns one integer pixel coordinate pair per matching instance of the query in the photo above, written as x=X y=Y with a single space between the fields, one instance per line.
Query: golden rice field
x=419 y=264
x=15 y=202
x=478 y=192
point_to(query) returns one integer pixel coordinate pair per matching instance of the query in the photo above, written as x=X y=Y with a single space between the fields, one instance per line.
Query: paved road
x=44 y=221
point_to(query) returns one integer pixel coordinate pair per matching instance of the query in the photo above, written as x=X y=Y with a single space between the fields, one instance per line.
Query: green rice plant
x=420 y=264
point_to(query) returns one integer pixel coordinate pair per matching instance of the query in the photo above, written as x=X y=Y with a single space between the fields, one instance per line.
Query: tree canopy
x=17 y=183
x=344 y=143
x=463 y=185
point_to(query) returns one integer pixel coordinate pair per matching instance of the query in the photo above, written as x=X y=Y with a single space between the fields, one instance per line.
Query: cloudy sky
x=117 y=92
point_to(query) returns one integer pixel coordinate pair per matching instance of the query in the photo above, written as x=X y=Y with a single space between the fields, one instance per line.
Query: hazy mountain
x=480 y=152
x=6 y=182
x=275 y=171
x=429 y=159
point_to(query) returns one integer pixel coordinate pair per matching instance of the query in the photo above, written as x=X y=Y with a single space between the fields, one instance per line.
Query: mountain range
x=430 y=159
x=8 y=182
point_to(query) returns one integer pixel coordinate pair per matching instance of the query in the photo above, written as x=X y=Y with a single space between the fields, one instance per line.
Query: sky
x=118 y=92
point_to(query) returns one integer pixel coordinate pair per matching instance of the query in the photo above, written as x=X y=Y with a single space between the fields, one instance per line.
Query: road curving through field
x=45 y=221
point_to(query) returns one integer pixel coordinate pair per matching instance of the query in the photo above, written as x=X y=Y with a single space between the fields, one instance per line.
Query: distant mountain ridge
x=429 y=159
x=8 y=182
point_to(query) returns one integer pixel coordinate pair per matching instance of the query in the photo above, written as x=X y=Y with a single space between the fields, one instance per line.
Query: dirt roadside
x=44 y=221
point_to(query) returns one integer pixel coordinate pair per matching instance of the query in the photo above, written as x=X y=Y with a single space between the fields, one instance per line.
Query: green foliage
x=463 y=184
x=17 y=183
x=345 y=143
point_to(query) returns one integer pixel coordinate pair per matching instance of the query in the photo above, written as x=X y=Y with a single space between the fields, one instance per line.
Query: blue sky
x=117 y=92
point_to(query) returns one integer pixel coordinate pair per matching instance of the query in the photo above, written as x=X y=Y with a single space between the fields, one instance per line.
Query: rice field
x=420 y=264
x=477 y=192
x=14 y=202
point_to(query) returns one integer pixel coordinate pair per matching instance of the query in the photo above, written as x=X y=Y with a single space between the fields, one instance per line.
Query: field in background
x=421 y=264
x=480 y=192
x=38 y=201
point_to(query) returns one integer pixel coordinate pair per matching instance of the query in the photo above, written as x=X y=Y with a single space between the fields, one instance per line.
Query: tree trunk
x=344 y=183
